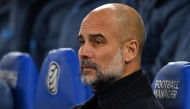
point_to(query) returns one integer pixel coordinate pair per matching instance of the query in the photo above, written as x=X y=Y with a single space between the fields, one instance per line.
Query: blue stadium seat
x=6 y=98
x=59 y=85
x=172 y=85
x=19 y=71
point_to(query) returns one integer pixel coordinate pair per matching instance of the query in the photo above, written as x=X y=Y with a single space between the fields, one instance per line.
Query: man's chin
x=88 y=79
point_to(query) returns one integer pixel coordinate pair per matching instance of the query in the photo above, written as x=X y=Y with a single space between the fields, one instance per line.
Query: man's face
x=100 y=54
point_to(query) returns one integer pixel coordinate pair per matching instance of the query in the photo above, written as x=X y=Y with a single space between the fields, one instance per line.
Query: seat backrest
x=59 y=85
x=171 y=86
x=19 y=71
x=6 y=101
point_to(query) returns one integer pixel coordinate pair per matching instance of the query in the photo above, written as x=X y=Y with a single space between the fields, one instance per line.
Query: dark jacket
x=131 y=92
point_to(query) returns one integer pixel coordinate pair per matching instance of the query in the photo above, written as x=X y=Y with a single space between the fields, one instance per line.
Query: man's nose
x=85 y=51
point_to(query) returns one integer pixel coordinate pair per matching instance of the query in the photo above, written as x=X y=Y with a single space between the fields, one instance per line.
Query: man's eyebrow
x=97 y=35
x=92 y=36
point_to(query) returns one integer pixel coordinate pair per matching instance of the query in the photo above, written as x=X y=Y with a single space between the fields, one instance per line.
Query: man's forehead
x=98 y=20
x=97 y=23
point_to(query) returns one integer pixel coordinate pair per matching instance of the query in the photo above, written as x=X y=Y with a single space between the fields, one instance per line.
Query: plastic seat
x=19 y=71
x=172 y=85
x=60 y=85
x=6 y=101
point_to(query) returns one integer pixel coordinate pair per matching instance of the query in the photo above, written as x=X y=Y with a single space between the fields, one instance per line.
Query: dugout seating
x=171 y=85
x=19 y=71
x=59 y=85
x=6 y=98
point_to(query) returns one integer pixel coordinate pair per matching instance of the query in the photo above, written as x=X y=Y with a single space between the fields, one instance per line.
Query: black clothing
x=131 y=92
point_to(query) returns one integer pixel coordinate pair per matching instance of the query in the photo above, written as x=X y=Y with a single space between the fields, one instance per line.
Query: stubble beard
x=105 y=75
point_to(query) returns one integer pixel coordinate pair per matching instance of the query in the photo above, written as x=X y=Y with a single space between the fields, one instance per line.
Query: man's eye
x=81 y=43
x=97 y=42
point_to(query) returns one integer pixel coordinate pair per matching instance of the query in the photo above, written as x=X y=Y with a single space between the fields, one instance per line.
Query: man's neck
x=108 y=91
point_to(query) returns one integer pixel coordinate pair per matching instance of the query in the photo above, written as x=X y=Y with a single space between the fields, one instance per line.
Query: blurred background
x=38 y=26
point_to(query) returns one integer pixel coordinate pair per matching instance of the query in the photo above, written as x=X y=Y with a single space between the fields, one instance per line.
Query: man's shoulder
x=89 y=104
x=147 y=102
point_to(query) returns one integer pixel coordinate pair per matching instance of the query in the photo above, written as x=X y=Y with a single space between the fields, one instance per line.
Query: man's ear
x=130 y=50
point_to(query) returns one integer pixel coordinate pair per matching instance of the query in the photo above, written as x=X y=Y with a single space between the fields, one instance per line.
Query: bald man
x=111 y=38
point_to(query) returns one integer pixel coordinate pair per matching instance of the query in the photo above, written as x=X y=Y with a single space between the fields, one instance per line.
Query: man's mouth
x=87 y=68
